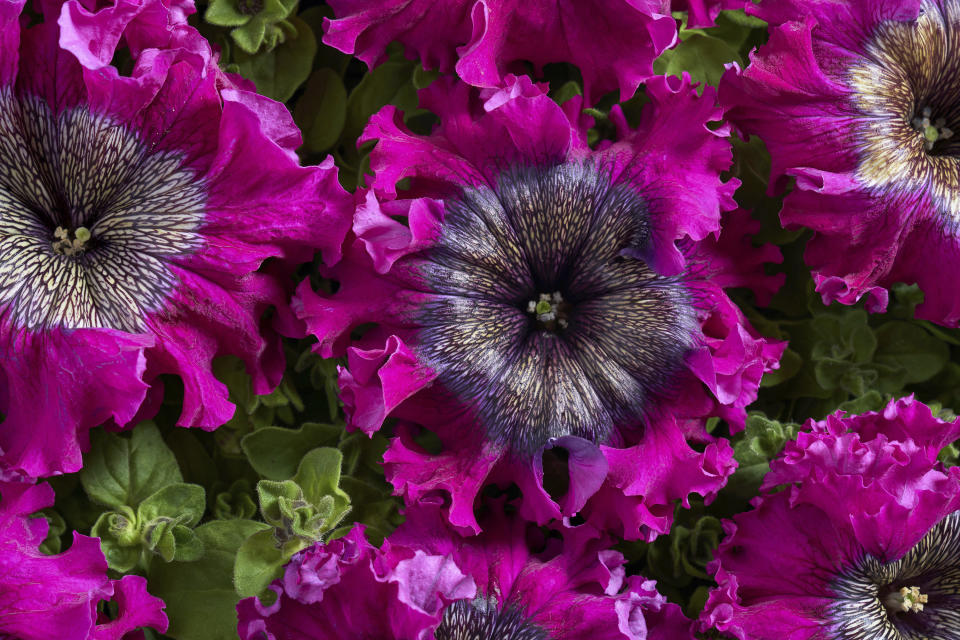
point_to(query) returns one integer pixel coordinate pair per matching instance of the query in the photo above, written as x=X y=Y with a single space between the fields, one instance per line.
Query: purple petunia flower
x=531 y=293
x=613 y=42
x=863 y=544
x=43 y=597
x=858 y=100
x=512 y=583
x=135 y=211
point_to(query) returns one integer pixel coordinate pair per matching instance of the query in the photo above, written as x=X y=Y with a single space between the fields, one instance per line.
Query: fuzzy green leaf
x=235 y=503
x=56 y=527
x=260 y=560
x=123 y=470
x=119 y=533
x=319 y=477
x=278 y=500
x=790 y=365
x=225 y=13
x=279 y=72
x=275 y=452
x=200 y=597
x=250 y=37
x=322 y=110
x=910 y=347
x=182 y=502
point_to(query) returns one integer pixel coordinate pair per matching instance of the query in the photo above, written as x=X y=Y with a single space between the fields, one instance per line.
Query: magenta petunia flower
x=613 y=42
x=864 y=543
x=135 y=211
x=43 y=597
x=531 y=293
x=511 y=583
x=858 y=100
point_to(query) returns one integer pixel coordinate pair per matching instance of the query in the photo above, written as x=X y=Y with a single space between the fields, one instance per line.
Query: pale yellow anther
x=931 y=130
x=65 y=246
x=907 y=600
x=546 y=308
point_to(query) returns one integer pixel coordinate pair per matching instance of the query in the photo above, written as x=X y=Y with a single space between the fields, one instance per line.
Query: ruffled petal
x=637 y=498
x=58 y=385
x=675 y=161
x=137 y=608
x=614 y=42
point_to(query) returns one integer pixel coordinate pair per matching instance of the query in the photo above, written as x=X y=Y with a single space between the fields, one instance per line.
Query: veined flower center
x=90 y=218
x=545 y=320
x=914 y=598
x=480 y=619
x=907 y=89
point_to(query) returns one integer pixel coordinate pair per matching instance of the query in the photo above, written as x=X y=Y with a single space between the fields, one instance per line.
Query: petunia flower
x=135 y=211
x=859 y=101
x=427 y=583
x=43 y=597
x=863 y=543
x=613 y=42
x=530 y=293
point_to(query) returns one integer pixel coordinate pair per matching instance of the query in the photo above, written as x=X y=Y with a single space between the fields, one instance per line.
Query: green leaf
x=373 y=506
x=56 y=527
x=739 y=16
x=236 y=503
x=278 y=499
x=423 y=78
x=278 y=73
x=790 y=365
x=762 y=439
x=701 y=55
x=568 y=90
x=160 y=538
x=119 y=533
x=906 y=297
x=910 y=347
x=276 y=452
x=846 y=337
x=189 y=547
x=260 y=560
x=252 y=34
x=950 y=455
x=200 y=597
x=224 y=13
x=196 y=465
x=121 y=470
x=377 y=88
x=184 y=503
x=163 y=524
x=872 y=400
x=319 y=476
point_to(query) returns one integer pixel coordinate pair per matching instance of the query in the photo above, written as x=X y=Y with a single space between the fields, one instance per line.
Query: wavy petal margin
x=612 y=42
